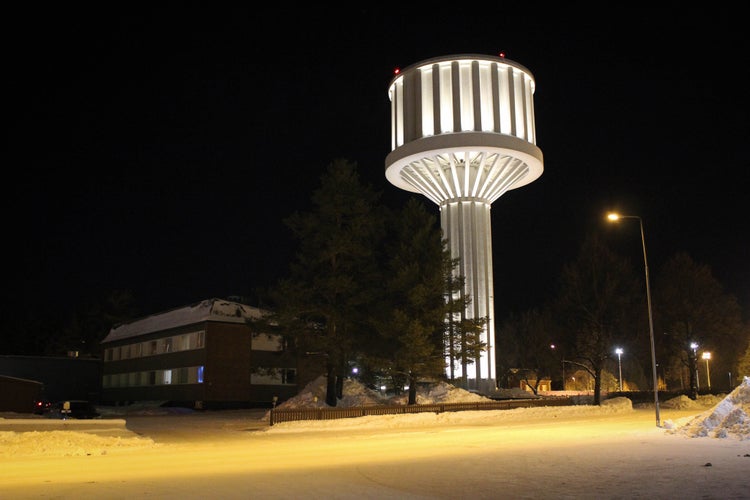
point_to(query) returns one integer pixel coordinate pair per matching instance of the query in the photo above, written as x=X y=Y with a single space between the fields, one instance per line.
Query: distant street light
x=707 y=356
x=614 y=218
x=619 y=364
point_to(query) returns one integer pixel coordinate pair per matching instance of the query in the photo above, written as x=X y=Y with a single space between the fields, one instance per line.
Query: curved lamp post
x=614 y=218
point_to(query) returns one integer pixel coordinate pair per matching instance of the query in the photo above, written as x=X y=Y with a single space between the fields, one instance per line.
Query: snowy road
x=561 y=456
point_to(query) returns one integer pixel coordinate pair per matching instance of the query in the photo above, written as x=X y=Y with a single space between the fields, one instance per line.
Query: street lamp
x=707 y=356
x=619 y=364
x=552 y=346
x=614 y=218
x=694 y=367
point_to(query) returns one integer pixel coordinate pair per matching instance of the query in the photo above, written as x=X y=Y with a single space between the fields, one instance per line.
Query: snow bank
x=356 y=394
x=65 y=444
x=730 y=418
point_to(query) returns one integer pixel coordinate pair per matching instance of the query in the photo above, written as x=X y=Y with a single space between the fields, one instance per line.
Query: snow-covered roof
x=219 y=310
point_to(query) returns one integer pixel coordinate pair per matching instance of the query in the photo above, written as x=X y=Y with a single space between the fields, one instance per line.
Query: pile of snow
x=65 y=444
x=314 y=396
x=142 y=408
x=701 y=402
x=730 y=418
x=356 y=394
x=441 y=392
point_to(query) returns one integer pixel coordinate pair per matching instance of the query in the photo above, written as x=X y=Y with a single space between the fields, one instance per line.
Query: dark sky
x=158 y=149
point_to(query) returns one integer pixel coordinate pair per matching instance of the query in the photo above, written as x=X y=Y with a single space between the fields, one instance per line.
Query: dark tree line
x=691 y=307
x=600 y=304
x=35 y=330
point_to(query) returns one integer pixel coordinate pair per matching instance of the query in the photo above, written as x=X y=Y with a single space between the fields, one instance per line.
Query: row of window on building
x=194 y=375
x=184 y=342
x=182 y=375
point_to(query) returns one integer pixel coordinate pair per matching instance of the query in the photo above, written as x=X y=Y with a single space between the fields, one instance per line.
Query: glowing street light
x=707 y=356
x=619 y=364
x=614 y=218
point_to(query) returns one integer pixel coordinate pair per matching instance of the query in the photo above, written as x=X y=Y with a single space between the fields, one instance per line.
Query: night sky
x=159 y=150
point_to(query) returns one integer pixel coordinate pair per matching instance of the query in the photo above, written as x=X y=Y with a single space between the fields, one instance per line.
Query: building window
x=267 y=342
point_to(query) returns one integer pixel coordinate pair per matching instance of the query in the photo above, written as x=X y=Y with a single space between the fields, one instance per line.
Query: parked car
x=78 y=409
x=42 y=406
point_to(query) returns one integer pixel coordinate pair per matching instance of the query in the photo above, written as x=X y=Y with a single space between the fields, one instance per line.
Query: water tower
x=463 y=134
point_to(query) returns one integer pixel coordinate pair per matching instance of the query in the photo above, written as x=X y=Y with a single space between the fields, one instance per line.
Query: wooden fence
x=294 y=414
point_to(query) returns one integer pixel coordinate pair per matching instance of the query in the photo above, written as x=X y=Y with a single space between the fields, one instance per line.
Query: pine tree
x=412 y=328
x=322 y=305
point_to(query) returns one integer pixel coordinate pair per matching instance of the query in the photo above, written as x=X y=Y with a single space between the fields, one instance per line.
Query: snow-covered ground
x=719 y=416
x=702 y=450
x=716 y=417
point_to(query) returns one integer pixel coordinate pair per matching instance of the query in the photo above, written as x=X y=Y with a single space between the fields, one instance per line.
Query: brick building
x=203 y=354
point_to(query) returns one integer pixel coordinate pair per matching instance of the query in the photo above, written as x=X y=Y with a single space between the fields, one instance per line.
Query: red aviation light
x=502 y=54
x=396 y=71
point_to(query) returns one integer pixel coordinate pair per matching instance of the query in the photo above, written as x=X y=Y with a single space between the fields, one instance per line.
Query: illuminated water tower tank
x=463 y=134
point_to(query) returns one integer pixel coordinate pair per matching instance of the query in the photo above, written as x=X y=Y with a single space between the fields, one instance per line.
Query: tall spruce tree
x=322 y=305
x=412 y=328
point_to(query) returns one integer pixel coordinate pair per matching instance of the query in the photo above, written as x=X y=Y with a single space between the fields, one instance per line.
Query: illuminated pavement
x=616 y=456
